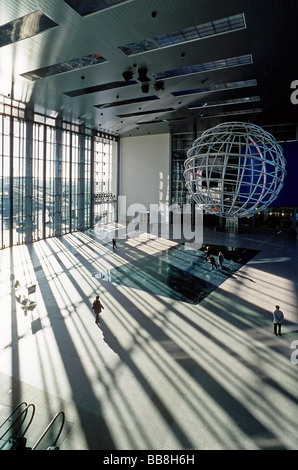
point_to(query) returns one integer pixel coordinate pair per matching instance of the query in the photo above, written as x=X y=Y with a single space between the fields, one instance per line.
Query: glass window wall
x=20 y=182
x=65 y=182
x=104 y=197
x=37 y=180
x=5 y=181
x=47 y=176
x=181 y=143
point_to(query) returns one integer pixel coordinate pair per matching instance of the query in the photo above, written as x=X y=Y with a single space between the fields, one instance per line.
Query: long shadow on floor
x=241 y=415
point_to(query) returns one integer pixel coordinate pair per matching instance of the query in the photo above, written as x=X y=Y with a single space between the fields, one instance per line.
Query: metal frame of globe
x=235 y=169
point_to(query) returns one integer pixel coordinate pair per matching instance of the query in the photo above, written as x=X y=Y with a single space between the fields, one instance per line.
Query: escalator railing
x=14 y=428
x=49 y=438
x=13 y=416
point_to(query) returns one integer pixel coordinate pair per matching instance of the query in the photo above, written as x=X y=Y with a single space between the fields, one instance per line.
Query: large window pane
x=74 y=183
x=37 y=180
x=87 y=182
x=50 y=175
x=65 y=182
x=19 y=182
x=5 y=180
x=104 y=196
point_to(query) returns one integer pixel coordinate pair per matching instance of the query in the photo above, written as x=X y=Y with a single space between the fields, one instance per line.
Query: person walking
x=278 y=317
x=208 y=253
x=97 y=307
x=212 y=262
x=220 y=259
x=114 y=243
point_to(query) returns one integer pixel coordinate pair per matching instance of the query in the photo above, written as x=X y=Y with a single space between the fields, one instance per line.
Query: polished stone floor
x=162 y=370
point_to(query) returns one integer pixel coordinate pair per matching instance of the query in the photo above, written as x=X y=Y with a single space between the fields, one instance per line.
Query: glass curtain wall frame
x=50 y=192
x=65 y=182
x=76 y=182
x=5 y=180
x=38 y=166
x=74 y=215
x=45 y=180
x=21 y=184
x=105 y=205
x=48 y=181
x=68 y=181
x=87 y=183
x=181 y=143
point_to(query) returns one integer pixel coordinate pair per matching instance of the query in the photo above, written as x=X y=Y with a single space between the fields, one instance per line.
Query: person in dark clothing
x=114 y=243
x=212 y=262
x=220 y=259
x=278 y=317
x=97 y=307
x=208 y=253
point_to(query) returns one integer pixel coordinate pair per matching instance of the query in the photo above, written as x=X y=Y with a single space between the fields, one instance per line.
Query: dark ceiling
x=206 y=61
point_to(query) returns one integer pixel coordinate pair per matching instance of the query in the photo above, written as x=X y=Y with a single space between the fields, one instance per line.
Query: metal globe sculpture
x=235 y=169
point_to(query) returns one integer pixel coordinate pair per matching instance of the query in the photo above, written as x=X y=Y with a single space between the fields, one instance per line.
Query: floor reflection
x=180 y=273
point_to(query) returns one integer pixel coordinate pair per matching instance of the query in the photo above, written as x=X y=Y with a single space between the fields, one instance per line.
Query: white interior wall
x=145 y=170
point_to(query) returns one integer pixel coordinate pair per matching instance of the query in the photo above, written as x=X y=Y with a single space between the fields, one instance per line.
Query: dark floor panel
x=179 y=273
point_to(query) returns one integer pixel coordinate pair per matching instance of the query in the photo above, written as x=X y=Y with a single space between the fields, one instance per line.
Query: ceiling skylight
x=224 y=102
x=25 y=27
x=152 y=111
x=206 y=30
x=98 y=88
x=206 y=67
x=68 y=66
x=219 y=87
x=158 y=121
x=125 y=102
x=92 y=6
x=232 y=113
